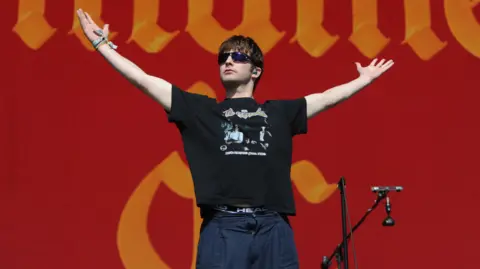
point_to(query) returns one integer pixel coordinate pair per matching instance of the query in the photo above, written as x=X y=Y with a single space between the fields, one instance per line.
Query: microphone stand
x=341 y=251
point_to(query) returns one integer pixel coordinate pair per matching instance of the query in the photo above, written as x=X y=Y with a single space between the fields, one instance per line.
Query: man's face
x=235 y=67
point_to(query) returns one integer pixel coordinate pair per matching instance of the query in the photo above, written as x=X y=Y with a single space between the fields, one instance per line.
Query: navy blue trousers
x=246 y=241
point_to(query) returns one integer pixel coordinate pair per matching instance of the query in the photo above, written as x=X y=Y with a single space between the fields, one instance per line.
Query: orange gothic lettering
x=94 y=8
x=463 y=24
x=310 y=34
x=208 y=32
x=31 y=26
x=146 y=32
x=366 y=36
x=419 y=34
x=34 y=30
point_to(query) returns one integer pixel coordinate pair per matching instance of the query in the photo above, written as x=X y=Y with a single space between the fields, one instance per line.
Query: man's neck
x=240 y=91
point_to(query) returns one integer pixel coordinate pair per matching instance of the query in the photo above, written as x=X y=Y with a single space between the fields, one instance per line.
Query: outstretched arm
x=319 y=102
x=157 y=88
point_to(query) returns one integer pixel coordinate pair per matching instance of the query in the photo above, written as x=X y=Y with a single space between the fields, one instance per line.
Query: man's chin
x=229 y=77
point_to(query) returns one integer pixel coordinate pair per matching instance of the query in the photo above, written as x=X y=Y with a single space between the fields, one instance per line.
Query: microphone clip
x=382 y=194
x=388 y=221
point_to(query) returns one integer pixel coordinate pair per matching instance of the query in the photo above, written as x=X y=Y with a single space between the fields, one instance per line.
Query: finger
x=359 y=66
x=85 y=17
x=386 y=67
x=373 y=62
x=106 y=30
x=81 y=18
x=389 y=62
x=79 y=12
x=381 y=63
x=389 y=65
x=89 y=19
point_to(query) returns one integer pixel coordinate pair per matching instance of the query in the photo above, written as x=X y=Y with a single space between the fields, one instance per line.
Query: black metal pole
x=341 y=186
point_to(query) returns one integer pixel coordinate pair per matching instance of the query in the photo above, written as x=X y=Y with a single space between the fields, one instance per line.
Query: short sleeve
x=296 y=113
x=186 y=105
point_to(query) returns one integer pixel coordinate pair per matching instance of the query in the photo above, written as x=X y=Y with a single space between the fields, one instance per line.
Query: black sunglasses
x=237 y=57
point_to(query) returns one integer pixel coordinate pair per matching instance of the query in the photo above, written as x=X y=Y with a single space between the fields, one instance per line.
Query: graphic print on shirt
x=246 y=133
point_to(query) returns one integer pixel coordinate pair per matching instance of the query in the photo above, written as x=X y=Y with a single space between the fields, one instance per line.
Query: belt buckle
x=245 y=209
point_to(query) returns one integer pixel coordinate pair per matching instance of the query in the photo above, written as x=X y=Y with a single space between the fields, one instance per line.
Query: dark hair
x=246 y=45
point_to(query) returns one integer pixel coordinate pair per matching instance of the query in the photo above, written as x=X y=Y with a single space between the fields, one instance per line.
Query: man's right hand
x=91 y=30
x=157 y=88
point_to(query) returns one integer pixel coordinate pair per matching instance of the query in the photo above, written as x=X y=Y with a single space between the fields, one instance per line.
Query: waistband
x=235 y=209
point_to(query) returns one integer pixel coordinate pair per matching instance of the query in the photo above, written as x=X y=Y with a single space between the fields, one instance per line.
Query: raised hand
x=375 y=69
x=92 y=31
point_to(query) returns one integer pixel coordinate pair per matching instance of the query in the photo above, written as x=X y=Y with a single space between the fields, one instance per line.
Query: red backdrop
x=93 y=176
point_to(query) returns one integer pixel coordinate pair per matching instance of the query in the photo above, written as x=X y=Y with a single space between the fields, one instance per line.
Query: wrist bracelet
x=102 y=39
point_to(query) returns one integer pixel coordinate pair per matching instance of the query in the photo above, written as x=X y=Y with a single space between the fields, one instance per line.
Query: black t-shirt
x=239 y=151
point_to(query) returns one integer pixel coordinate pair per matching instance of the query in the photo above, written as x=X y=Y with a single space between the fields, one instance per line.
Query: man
x=239 y=151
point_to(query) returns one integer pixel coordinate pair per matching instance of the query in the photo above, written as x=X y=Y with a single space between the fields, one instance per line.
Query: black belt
x=236 y=209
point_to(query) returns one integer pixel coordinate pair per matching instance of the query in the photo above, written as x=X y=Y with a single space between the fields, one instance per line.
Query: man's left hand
x=374 y=70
